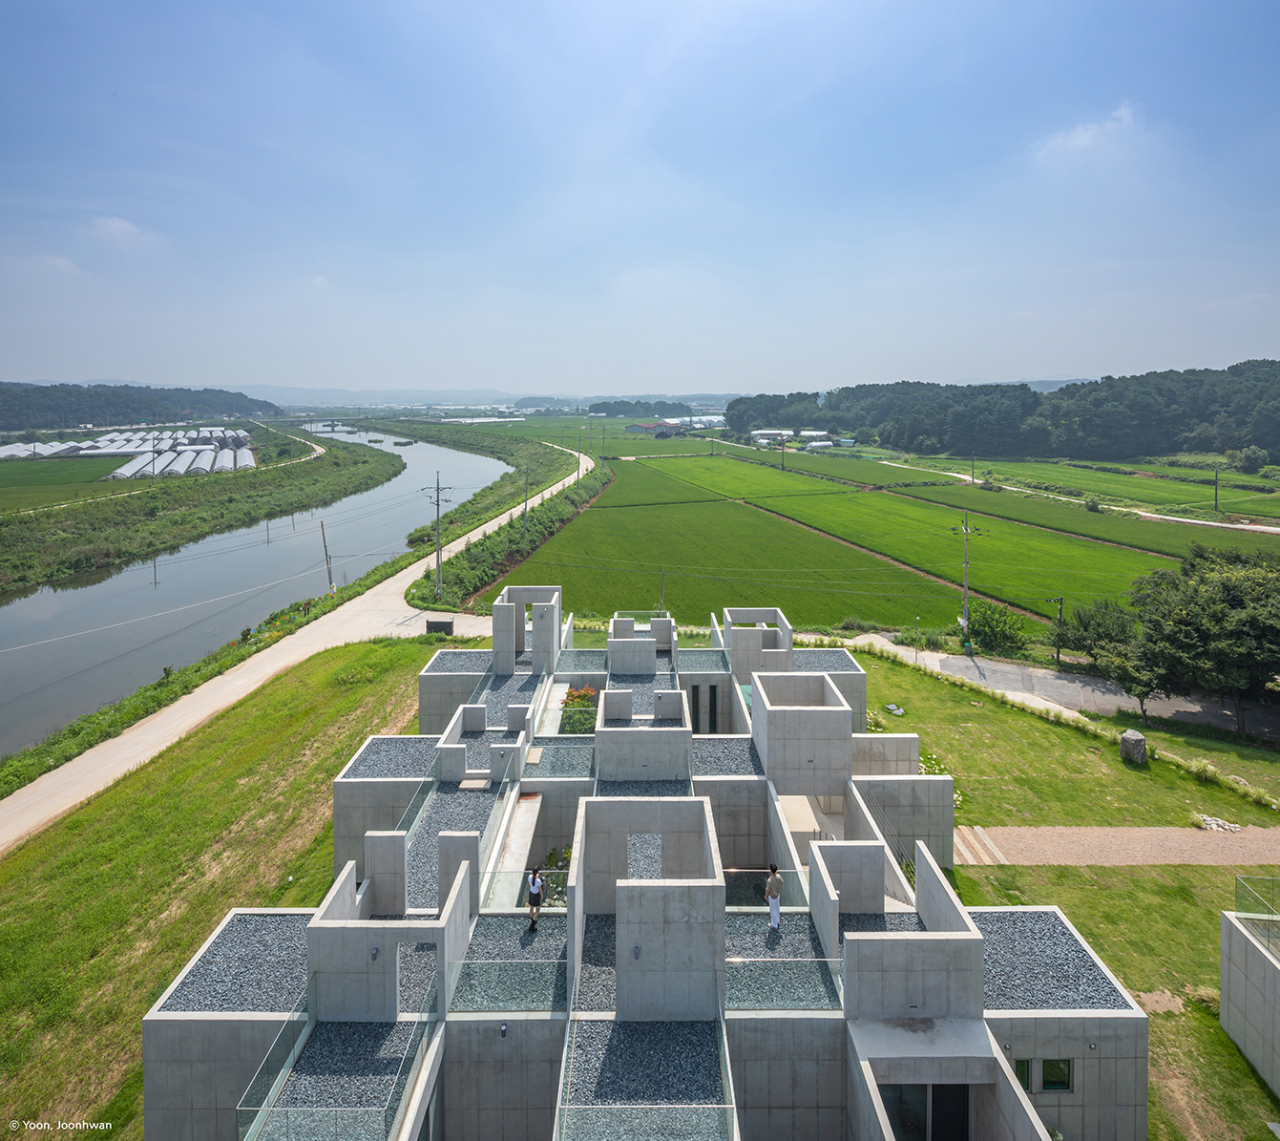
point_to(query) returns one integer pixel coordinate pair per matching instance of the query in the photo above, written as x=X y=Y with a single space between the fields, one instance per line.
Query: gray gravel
x=394 y=757
x=780 y=985
x=257 y=963
x=644 y=856
x=347 y=1065
x=647 y=1123
x=823 y=661
x=889 y=921
x=642 y=788
x=1032 y=961
x=702 y=661
x=478 y=743
x=645 y=1063
x=583 y=662
x=450 y=810
x=643 y=723
x=598 y=975
x=749 y=937
x=563 y=760
x=511 y=689
x=529 y=985
x=417 y=973
x=508 y=938
x=725 y=757
x=461 y=662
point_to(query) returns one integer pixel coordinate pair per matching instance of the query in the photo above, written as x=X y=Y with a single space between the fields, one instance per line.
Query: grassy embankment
x=49 y=546
x=100 y=911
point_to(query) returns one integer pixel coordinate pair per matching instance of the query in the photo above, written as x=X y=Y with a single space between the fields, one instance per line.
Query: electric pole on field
x=525 y=532
x=1215 y=487
x=966 y=531
x=662 y=594
x=1058 y=633
x=327 y=562
x=438 y=499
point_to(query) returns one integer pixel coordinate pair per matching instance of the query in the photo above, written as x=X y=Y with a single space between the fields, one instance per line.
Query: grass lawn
x=737 y=480
x=1013 y=767
x=100 y=911
x=1021 y=565
x=725 y=554
x=1158 y=929
x=636 y=484
x=1126 y=529
x=35 y=483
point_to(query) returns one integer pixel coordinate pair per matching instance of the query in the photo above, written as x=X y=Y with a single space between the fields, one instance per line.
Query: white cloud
x=1090 y=137
x=124 y=235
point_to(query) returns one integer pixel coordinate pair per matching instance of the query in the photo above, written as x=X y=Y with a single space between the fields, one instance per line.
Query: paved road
x=379 y=612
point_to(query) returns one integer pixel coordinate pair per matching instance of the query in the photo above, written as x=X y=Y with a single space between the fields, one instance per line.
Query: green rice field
x=636 y=484
x=737 y=480
x=1128 y=530
x=841 y=466
x=725 y=554
x=36 y=483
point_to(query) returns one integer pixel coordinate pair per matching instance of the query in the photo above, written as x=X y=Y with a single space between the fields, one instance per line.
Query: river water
x=68 y=649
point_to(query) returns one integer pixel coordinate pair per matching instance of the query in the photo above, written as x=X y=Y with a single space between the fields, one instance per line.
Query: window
x=713 y=720
x=695 y=707
x=1022 y=1070
x=1056 y=1074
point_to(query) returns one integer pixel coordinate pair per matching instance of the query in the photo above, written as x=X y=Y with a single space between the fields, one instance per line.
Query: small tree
x=1252 y=459
x=1128 y=667
x=996 y=628
x=1096 y=625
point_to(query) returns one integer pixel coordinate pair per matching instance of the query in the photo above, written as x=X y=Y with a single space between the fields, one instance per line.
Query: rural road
x=379 y=612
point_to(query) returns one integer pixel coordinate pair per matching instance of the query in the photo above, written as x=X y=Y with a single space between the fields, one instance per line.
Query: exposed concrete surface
x=379 y=612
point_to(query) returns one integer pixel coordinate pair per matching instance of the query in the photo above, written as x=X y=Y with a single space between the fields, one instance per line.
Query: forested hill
x=1113 y=418
x=52 y=406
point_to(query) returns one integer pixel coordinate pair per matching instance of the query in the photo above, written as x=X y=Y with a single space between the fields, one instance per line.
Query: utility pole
x=524 y=534
x=1057 y=646
x=966 y=531
x=327 y=561
x=662 y=593
x=1215 y=487
x=439 y=565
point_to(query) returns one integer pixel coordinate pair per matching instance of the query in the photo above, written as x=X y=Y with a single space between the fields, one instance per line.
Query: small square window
x=1022 y=1070
x=1057 y=1074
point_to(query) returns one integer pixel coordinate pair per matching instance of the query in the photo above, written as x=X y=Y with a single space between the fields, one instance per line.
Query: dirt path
x=379 y=612
x=1121 y=847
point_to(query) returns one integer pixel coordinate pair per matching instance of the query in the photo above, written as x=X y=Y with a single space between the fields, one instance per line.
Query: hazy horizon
x=590 y=200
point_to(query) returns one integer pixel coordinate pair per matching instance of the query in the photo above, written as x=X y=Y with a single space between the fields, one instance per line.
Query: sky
x=612 y=197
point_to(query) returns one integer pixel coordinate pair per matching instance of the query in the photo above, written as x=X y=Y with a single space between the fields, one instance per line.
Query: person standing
x=535 y=897
x=773 y=893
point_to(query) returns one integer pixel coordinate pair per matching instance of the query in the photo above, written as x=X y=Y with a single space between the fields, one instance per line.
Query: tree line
x=641 y=409
x=1157 y=413
x=51 y=407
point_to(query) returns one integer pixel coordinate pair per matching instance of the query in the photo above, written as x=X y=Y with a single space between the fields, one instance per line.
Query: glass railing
x=702 y=661
x=783 y=984
x=641 y=615
x=744 y=887
x=509 y=891
x=568 y=761
x=276 y=1065
x=505 y=984
x=413 y=812
x=1258 y=906
x=260 y=1118
x=583 y=661
x=646 y=1122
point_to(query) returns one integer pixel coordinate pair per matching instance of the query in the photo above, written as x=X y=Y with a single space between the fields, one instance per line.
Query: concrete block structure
x=1249 y=994
x=651 y=999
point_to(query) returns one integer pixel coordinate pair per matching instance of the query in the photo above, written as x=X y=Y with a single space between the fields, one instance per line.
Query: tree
x=996 y=628
x=1213 y=626
x=1097 y=625
x=1128 y=666
x=1251 y=459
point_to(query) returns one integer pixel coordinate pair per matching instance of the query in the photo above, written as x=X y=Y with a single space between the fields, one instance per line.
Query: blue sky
x=624 y=197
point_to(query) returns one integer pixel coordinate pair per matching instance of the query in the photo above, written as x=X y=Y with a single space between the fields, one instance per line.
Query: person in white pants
x=773 y=893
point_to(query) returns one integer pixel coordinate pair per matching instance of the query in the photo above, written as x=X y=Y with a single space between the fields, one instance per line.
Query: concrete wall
x=788 y=1074
x=385 y=861
x=726 y=689
x=361 y=806
x=918 y=809
x=502 y=1089
x=852 y=685
x=629 y=655
x=439 y=694
x=859 y=824
x=896 y=754
x=844 y=876
x=1250 y=998
x=643 y=753
x=802 y=728
x=864 y=1111
x=559 y=812
x=824 y=905
x=738 y=809
x=779 y=847
x=457 y=848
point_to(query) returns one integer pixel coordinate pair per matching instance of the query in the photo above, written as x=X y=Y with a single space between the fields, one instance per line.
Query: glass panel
x=1022 y=1070
x=509 y=891
x=1056 y=1074
x=487 y=984
x=949 y=1117
x=744 y=887
x=646 y=1122
x=908 y=1110
x=783 y=984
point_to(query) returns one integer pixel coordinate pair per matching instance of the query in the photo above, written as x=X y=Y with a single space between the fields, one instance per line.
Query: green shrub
x=996 y=628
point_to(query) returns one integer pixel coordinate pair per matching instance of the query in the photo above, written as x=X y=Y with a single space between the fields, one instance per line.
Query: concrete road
x=379 y=612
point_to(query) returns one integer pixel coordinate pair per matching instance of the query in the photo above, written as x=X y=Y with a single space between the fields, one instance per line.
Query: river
x=69 y=649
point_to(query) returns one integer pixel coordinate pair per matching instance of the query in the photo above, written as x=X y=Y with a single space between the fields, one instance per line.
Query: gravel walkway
x=642 y=788
x=450 y=810
x=257 y=963
x=563 y=760
x=478 y=744
x=513 y=689
x=1116 y=847
x=508 y=938
x=393 y=757
x=1032 y=961
x=823 y=661
x=347 y=1065
x=645 y=1063
x=598 y=975
x=417 y=973
x=725 y=757
x=889 y=921
x=749 y=937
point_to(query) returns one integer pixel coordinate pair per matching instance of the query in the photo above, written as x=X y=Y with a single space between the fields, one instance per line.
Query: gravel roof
x=347 y=1065
x=529 y=985
x=749 y=937
x=257 y=963
x=671 y=1123
x=393 y=757
x=645 y=1063
x=417 y=972
x=643 y=723
x=508 y=938
x=780 y=985
x=461 y=662
x=598 y=974
x=703 y=661
x=1032 y=961
x=644 y=856
x=642 y=788
x=889 y=921
x=478 y=743
x=509 y=689
x=725 y=756
x=449 y=810
x=823 y=661
x=564 y=760
x=583 y=661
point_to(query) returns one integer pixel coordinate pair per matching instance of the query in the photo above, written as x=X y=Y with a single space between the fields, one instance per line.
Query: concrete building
x=652 y=999
x=1249 y=992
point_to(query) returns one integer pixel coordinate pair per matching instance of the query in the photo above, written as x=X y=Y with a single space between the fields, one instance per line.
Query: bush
x=996 y=628
x=1251 y=459
x=1092 y=503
